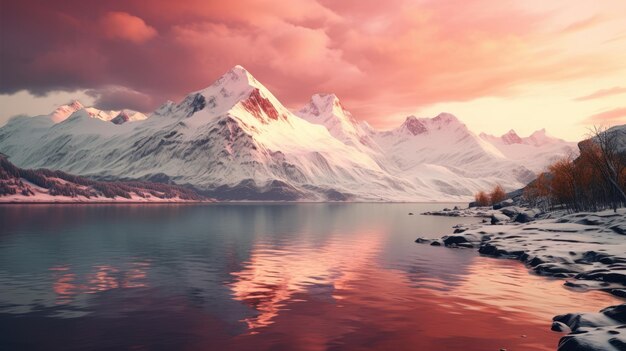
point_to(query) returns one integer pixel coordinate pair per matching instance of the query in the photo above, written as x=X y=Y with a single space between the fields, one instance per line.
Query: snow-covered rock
x=586 y=249
x=603 y=331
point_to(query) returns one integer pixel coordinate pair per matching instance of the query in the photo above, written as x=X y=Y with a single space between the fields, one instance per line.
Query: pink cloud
x=609 y=117
x=380 y=58
x=584 y=24
x=121 y=25
x=602 y=93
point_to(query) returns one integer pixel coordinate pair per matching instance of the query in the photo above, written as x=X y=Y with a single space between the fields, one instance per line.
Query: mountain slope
x=42 y=185
x=227 y=135
x=535 y=152
x=441 y=153
x=235 y=140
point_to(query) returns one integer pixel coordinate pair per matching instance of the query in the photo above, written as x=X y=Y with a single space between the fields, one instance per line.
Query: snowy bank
x=587 y=249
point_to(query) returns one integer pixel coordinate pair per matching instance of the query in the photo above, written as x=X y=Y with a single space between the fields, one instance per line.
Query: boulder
x=560 y=327
x=619 y=229
x=503 y=204
x=488 y=249
x=511 y=211
x=616 y=312
x=454 y=239
x=498 y=218
x=523 y=218
x=553 y=268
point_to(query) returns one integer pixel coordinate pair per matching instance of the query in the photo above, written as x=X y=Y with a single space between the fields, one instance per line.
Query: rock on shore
x=587 y=249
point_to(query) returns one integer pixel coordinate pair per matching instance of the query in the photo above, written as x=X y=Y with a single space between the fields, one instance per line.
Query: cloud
x=586 y=23
x=117 y=98
x=602 y=93
x=609 y=117
x=381 y=59
x=121 y=25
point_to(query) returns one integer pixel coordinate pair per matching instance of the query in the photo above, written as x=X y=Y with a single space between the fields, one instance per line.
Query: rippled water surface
x=262 y=277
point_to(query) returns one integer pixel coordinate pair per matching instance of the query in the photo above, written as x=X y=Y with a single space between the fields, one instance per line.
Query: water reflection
x=272 y=276
x=259 y=277
x=67 y=285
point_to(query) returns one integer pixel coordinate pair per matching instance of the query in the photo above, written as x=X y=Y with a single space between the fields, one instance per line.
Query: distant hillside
x=43 y=185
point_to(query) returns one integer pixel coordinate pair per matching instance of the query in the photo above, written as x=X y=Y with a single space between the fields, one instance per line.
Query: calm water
x=262 y=277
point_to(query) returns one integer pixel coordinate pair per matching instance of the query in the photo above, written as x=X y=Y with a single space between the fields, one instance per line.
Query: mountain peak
x=413 y=125
x=540 y=133
x=541 y=137
x=75 y=104
x=235 y=86
x=328 y=97
x=446 y=118
x=62 y=112
x=237 y=78
x=324 y=104
x=511 y=137
x=240 y=71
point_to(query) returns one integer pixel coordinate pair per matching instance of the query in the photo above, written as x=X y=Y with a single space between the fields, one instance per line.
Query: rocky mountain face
x=234 y=140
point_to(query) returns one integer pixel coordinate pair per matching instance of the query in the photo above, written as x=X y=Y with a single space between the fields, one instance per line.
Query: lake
x=263 y=277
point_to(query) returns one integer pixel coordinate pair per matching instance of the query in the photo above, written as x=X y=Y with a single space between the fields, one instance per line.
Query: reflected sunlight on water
x=67 y=285
x=272 y=276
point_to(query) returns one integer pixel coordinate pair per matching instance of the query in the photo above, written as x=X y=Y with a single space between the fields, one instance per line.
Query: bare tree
x=602 y=150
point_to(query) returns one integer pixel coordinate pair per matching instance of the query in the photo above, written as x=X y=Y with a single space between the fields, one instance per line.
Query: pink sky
x=495 y=64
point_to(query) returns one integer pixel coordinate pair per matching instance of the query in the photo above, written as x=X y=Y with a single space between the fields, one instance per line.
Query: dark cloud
x=379 y=59
x=117 y=98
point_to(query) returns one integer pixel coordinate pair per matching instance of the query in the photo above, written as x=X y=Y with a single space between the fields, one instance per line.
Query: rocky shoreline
x=586 y=249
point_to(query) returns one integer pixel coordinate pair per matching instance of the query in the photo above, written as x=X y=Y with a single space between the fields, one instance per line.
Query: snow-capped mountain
x=235 y=140
x=327 y=110
x=535 y=152
x=62 y=112
x=442 y=153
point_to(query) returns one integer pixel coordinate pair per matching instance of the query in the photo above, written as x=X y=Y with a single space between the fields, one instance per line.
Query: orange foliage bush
x=481 y=198
x=497 y=194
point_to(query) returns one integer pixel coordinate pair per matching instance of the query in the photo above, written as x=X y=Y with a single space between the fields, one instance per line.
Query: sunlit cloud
x=121 y=25
x=609 y=117
x=383 y=60
x=602 y=93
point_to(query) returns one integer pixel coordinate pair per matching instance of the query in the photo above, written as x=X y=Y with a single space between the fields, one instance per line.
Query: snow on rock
x=128 y=116
x=586 y=249
x=603 y=331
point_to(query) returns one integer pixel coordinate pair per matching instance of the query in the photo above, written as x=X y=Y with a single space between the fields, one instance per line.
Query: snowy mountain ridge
x=234 y=140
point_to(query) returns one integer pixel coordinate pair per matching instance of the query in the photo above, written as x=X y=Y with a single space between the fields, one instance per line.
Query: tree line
x=593 y=181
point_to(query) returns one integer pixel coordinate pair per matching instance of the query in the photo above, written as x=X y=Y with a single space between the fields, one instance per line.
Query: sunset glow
x=496 y=66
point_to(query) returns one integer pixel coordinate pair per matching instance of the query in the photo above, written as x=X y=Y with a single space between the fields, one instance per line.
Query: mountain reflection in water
x=263 y=276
